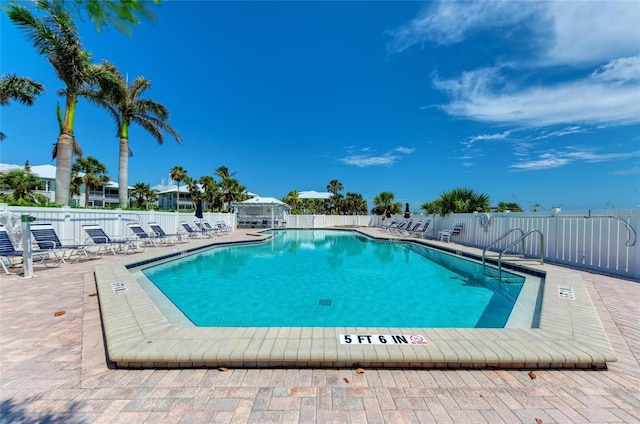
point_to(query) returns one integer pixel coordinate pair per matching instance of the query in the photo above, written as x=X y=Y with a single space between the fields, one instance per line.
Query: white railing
x=68 y=222
x=601 y=240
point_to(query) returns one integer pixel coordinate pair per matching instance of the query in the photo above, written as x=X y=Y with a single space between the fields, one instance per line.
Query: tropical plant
x=354 y=204
x=125 y=104
x=144 y=195
x=229 y=188
x=122 y=14
x=333 y=203
x=384 y=203
x=178 y=174
x=21 y=89
x=23 y=186
x=194 y=190
x=92 y=173
x=54 y=35
x=513 y=207
x=458 y=200
x=293 y=199
x=209 y=190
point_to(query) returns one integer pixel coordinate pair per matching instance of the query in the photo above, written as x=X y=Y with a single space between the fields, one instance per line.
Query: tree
x=384 y=203
x=21 y=89
x=23 y=186
x=143 y=194
x=122 y=14
x=292 y=199
x=94 y=175
x=194 y=190
x=458 y=200
x=178 y=174
x=229 y=188
x=210 y=190
x=354 y=204
x=512 y=206
x=333 y=203
x=55 y=37
x=125 y=104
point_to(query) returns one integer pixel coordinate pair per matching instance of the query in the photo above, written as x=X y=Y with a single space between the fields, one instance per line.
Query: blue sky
x=532 y=102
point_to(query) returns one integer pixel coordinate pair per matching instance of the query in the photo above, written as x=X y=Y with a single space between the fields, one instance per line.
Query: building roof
x=263 y=201
x=312 y=194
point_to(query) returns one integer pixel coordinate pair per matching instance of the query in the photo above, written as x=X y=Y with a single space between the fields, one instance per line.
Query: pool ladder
x=520 y=240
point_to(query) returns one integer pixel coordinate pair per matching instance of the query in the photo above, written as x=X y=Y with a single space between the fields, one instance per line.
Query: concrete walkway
x=53 y=369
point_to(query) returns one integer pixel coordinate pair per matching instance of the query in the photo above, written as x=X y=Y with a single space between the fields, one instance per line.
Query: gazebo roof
x=312 y=194
x=263 y=201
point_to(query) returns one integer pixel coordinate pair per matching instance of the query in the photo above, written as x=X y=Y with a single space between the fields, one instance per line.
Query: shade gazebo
x=261 y=212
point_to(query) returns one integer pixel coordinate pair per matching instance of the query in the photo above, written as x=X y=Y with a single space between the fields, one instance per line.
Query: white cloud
x=448 y=22
x=475 y=95
x=367 y=157
x=558 y=159
x=592 y=31
x=622 y=70
x=562 y=32
x=633 y=171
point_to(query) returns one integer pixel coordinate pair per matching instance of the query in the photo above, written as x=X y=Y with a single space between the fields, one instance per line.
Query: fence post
x=67 y=228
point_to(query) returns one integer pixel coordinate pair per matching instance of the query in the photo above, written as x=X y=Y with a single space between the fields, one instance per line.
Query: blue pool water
x=333 y=278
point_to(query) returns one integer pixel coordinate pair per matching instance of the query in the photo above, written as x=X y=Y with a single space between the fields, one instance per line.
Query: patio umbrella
x=407 y=214
x=388 y=213
x=199 y=209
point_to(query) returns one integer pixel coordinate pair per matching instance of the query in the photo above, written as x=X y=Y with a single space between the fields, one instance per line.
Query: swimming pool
x=333 y=278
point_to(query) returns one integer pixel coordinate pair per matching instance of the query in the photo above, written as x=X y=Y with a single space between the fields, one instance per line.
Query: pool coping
x=138 y=335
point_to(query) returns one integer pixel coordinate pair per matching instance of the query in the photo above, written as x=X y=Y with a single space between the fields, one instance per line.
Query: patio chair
x=159 y=232
x=112 y=244
x=223 y=227
x=421 y=231
x=47 y=239
x=145 y=238
x=8 y=253
x=190 y=231
x=400 y=227
x=206 y=229
x=410 y=228
x=445 y=235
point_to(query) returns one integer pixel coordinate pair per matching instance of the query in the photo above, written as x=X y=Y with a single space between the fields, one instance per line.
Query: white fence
x=68 y=221
x=603 y=240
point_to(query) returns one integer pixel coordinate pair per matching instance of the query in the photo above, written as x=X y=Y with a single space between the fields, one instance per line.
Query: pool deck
x=55 y=368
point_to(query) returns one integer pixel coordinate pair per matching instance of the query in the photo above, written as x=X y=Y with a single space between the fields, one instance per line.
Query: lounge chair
x=400 y=227
x=159 y=232
x=145 y=238
x=411 y=228
x=445 y=235
x=8 y=253
x=421 y=231
x=112 y=244
x=47 y=239
x=192 y=232
x=220 y=227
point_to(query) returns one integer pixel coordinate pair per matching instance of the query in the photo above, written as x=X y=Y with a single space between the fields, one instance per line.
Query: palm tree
x=458 y=200
x=178 y=174
x=223 y=172
x=22 y=89
x=194 y=190
x=55 y=37
x=209 y=190
x=334 y=187
x=23 y=186
x=94 y=175
x=384 y=203
x=292 y=199
x=125 y=104
x=143 y=194
x=354 y=204
x=510 y=206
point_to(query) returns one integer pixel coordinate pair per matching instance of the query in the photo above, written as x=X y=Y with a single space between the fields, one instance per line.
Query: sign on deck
x=399 y=339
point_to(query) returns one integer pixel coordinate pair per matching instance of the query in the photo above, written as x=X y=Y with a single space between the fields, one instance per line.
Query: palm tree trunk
x=123 y=173
x=64 y=158
x=87 y=189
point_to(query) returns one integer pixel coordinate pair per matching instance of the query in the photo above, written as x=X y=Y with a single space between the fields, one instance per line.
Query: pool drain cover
x=324 y=302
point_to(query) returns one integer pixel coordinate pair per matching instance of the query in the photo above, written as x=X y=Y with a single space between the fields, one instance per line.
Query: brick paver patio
x=53 y=369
